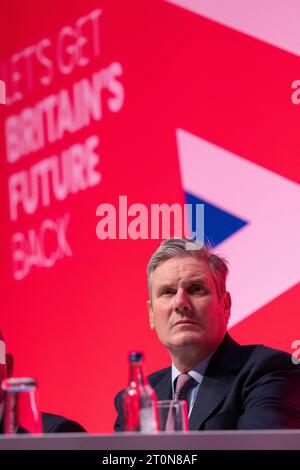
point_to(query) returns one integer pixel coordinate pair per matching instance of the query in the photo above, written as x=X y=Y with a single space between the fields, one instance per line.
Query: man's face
x=186 y=308
x=3 y=365
x=6 y=364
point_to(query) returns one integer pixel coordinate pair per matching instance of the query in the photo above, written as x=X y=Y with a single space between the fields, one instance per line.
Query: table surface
x=197 y=440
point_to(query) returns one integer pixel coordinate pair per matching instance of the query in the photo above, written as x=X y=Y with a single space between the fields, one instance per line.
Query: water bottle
x=139 y=401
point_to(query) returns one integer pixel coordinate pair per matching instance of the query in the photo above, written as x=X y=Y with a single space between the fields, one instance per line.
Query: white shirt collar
x=197 y=372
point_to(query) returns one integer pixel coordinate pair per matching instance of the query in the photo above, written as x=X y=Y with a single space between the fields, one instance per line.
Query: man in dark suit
x=228 y=386
x=51 y=422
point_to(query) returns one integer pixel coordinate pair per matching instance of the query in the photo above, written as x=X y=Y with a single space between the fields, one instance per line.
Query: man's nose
x=182 y=302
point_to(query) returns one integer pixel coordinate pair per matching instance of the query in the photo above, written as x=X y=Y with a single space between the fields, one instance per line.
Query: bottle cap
x=135 y=356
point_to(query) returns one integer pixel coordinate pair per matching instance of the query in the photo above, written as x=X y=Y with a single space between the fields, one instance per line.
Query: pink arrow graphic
x=264 y=255
x=272 y=21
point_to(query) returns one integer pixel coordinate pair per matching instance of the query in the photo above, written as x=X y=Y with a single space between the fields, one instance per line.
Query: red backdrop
x=72 y=306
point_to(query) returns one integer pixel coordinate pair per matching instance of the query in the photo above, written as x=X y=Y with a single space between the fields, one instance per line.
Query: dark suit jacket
x=54 y=423
x=244 y=387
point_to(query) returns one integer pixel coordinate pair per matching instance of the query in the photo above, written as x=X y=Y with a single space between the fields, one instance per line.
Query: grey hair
x=185 y=247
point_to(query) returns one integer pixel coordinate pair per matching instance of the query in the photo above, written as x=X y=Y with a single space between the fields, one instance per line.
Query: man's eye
x=167 y=292
x=196 y=289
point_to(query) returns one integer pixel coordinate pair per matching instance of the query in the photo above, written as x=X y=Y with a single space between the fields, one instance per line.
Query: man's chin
x=186 y=339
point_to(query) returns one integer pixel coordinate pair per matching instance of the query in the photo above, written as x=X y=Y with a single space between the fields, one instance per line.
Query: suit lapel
x=163 y=388
x=211 y=393
x=216 y=383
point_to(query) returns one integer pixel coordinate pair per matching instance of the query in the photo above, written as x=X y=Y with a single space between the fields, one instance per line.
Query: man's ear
x=9 y=364
x=150 y=313
x=227 y=305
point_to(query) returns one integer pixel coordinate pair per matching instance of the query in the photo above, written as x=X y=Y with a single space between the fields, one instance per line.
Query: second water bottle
x=139 y=401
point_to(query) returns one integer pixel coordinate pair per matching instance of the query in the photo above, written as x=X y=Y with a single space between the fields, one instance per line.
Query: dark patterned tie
x=183 y=383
